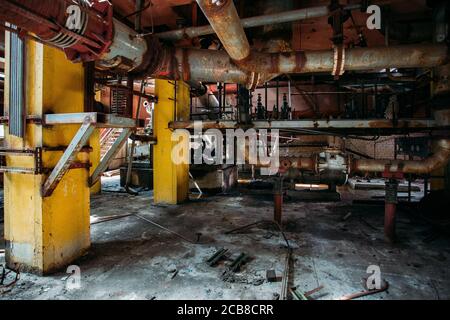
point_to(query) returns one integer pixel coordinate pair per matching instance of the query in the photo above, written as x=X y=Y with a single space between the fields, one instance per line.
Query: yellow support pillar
x=171 y=181
x=45 y=234
x=94 y=142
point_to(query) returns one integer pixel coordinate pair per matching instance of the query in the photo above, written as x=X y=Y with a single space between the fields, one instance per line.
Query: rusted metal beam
x=315 y=124
x=70 y=118
x=98 y=119
x=64 y=163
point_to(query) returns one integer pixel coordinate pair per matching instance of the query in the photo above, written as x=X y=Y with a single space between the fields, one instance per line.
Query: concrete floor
x=131 y=259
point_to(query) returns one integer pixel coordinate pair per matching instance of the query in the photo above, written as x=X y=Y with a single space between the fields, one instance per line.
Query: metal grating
x=119 y=100
x=16 y=86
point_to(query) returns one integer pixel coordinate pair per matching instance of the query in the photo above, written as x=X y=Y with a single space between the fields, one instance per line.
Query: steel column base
x=278 y=200
x=389 y=222
x=390 y=210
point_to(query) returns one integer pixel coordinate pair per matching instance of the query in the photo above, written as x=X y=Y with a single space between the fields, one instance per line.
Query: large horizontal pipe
x=356 y=59
x=252 y=22
x=438 y=160
x=216 y=66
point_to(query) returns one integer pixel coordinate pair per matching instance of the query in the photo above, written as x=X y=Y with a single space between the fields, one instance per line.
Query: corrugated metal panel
x=16 y=87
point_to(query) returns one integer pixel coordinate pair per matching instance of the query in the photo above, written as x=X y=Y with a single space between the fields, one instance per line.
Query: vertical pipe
x=175 y=87
x=219 y=86
x=409 y=188
x=130 y=86
x=290 y=99
x=224 y=104
x=138 y=17
x=278 y=95
x=266 y=101
x=278 y=200
x=391 y=200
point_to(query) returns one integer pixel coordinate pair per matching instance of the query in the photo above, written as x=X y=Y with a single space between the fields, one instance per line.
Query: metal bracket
x=36 y=153
x=103 y=165
x=64 y=163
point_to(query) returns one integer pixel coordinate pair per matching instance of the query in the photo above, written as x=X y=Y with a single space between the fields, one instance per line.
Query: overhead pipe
x=216 y=66
x=122 y=50
x=252 y=22
x=224 y=19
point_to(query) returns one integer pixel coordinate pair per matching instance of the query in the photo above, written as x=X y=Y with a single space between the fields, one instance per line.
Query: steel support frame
x=65 y=162
x=36 y=154
x=89 y=121
x=70 y=118
x=99 y=119
x=315 y=124
x=109 y=156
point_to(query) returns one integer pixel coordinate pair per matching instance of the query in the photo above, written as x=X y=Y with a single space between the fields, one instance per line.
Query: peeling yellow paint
x=56 y=229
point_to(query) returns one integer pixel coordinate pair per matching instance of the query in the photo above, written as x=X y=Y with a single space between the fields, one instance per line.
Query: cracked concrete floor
x=131 y=259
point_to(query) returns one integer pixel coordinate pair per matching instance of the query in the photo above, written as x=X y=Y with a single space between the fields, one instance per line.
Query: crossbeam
x=64 y=163
x=109 y=156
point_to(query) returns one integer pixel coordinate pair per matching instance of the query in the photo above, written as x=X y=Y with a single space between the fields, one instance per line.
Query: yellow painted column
x=44 y=235
x=94 y=142
x=171 y=181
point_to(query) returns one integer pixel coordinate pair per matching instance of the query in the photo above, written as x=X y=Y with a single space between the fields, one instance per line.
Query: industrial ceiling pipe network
x=115 y=46
x=252 y=22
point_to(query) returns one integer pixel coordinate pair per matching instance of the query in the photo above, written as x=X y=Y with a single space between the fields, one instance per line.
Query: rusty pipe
x=356 y=59
x=224 y=19
x=289 y=16
x=252 y=22
x=439 y=159
x=123 y=50
x=216 y=66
